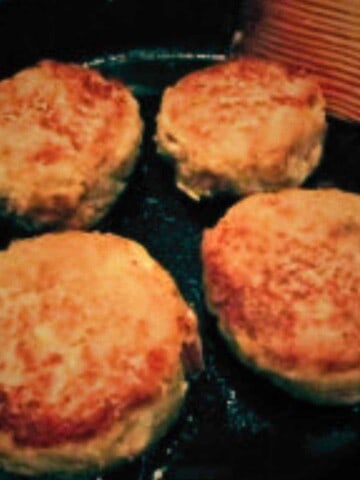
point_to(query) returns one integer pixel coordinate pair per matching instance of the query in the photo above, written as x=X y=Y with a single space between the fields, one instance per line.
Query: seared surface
x=68 y=139
x=246 y=125
x=282 y=272
x=91 y=327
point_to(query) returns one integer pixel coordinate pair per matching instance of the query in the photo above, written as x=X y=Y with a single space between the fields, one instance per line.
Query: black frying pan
x=234 y=424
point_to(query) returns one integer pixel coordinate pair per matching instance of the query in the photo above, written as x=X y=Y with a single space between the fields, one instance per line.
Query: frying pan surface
x=234 y=424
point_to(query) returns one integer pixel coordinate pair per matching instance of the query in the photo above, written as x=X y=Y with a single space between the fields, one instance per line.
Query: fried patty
x=242 y=126
x=92 y=337
x=68 y=141
x=282 y=274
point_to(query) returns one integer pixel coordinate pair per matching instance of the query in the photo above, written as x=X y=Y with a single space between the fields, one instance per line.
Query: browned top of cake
x=234 y=95
x=243 y=125
x=91 y=327
x=61 y=125
x=282 y=271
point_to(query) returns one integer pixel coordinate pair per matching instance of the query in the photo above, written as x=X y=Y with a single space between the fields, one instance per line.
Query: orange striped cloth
x=323 y=36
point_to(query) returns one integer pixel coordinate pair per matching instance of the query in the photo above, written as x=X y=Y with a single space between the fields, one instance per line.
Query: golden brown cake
x=68 y=141
x=242 y=126
x=93 y=333
x=282 y=274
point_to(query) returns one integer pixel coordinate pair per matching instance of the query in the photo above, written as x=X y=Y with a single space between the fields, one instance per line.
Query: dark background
x=68 y=30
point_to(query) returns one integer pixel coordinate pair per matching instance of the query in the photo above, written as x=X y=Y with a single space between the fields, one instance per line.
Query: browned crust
x=243 y=126
x=85 y=340
x=84 y=89
x=267 y=75
x=282 y=273
x=66 y=132
x=33 y=423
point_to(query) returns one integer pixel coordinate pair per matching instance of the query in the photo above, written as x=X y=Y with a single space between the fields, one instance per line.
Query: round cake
x=242 y=126
x=68 y=141
x=282 y=274
x=93 y=342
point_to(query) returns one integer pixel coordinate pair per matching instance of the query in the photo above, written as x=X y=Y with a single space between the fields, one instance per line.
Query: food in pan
x=68 y=141
x=93 y=337
x=242 y=126
x=282 y=274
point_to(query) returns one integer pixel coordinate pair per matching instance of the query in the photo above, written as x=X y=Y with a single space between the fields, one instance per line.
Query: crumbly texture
x=242 y=126
x=68 y=141
x=92 y=336
x=282 y=274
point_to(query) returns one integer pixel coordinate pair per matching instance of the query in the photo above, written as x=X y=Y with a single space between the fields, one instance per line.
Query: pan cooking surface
x=234 y=424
